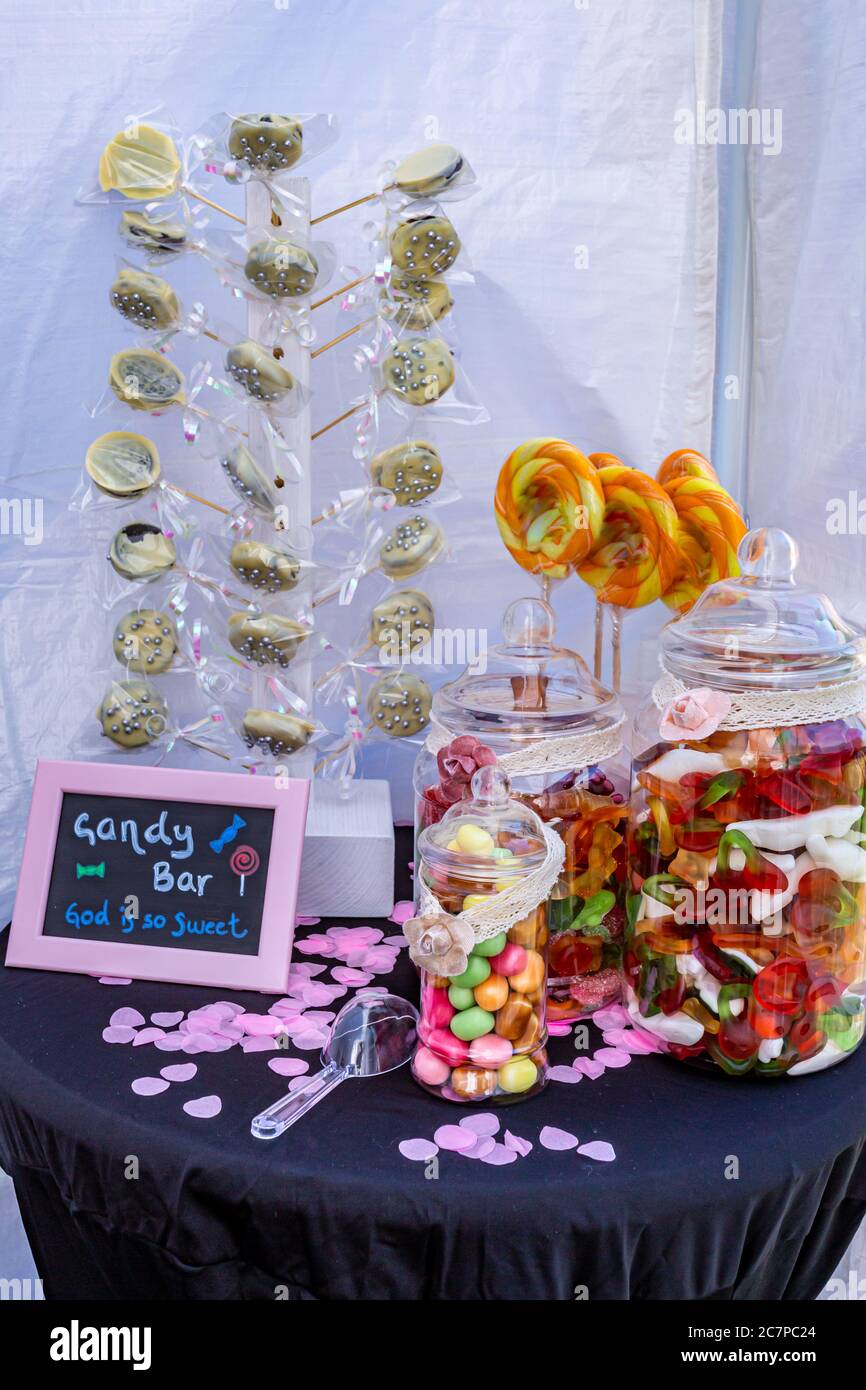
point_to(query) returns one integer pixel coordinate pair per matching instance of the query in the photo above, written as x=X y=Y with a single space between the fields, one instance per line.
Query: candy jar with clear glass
x=533 y=707
x=746 y=930
x=480 y=941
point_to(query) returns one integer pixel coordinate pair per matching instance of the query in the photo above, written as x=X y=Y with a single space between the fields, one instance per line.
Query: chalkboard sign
x=160 y=874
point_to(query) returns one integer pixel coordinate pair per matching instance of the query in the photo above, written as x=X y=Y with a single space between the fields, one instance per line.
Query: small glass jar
x=534 y=707
x=483 y=1028
x=746 y=933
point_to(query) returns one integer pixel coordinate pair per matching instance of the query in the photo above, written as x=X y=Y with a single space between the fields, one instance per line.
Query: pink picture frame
x=267 y=970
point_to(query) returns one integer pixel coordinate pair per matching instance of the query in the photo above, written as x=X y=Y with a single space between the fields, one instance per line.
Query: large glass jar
x=747 y=906
x=534 y=707
x=482 y=1029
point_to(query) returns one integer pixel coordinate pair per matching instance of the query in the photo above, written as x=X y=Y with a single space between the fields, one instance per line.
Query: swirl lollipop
x=685 y=463
x=636 y=558
x=244 y=862
x=709 y=529
x=549 y=507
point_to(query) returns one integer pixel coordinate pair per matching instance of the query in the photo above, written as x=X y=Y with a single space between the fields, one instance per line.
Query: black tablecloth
x=127 y=1197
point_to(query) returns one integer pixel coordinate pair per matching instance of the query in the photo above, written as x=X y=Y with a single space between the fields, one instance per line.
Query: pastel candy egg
x=500 y=853
x=436 y=1008
x=443 y=1042
x=472 y=1023
x=530 y=1035
x=491 y=993
x=430 y=1068
x=490 y=1051
x=492 y=946
x=461 y=998
x=506 y=883
x=474 y=839
x=473 y=1083
x=473 y=900
x=510 y=960
x=453 y=847
x=513 y=1018
x=531 y=977
x=477 y=970
x=528 y=932
x=518 y=1075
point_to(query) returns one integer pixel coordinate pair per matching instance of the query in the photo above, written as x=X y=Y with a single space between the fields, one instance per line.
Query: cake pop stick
x=549 y=506
x=143 y=164
x=424 y=174
x=342 y=336
x=709 y=529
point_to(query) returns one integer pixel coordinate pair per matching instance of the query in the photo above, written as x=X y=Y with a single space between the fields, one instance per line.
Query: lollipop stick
x=344 y=207
x=339 y=420
x=599 y=640
x=348 y=333
x=342 y=290
x=200 y=198
x=194 y=497
x=616 y=615
x=196 y=410
x=334 y=669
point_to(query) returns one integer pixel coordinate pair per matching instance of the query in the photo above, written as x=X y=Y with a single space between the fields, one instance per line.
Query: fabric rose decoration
x=439 y=943
x=694 y=715
x=457 y=764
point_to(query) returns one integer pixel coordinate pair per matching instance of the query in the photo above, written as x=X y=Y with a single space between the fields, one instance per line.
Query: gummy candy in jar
x=480 y=942
x=746 y=922
x=533 y=706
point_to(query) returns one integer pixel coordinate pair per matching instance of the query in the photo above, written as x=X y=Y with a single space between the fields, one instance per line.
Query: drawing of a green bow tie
x=90 y=871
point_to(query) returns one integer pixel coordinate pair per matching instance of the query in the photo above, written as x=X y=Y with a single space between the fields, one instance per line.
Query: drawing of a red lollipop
x=244 y=862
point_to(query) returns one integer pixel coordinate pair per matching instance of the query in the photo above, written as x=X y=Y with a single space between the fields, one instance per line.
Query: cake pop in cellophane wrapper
x=267 y=146
x=397 y=631
x=438 y=170
x=391 y=703
x=123 y=466
x=281 y=266
x=146 y=716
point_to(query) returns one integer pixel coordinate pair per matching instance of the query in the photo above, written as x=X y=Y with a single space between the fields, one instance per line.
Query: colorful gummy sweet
x=746 y=940
x=549 y=506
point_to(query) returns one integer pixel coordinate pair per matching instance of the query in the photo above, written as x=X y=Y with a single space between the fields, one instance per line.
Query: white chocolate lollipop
x=266 y=143
x=275 y=733
x=248 y=480
x=132 y=714
x=141 y=163
x=268 y=639
x=399 y=704
x=145 y=640
x=141 y=551
x=420 y=302
x=256 y=369
x=123 y=465
x=412 y=471
x=423 y=174
x=405 y=616
x=419 y=370
x=146 y=300
x=410 y=547
x=425 y=244
x=281 y=269
x=263 y=567
x=145 y=380
x=138 y=230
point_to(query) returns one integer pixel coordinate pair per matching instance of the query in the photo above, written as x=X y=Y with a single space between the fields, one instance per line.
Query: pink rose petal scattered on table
x=499 y=1155
x=259 y=1044
x=652 y=1041
x=599 y=1149
x=402 y=912
x=480 y=1124
x=304 y=970
x=568 y=1075
x=147 y=1035
x=611 y=1016
x=587 y=1066
x=453 y=1138
x=320 y=1018
x=126 y=1018
x=179 y=1071
x=205 y=1108
x=418 y=1150
x=397 y=940
x=307 y=921
x=612 y=1057
x=628 y=1041
x=289 y=1066
x=167 y=1020
x=316 y=948
x=230 y=1032
x=172 y=1042
x=559 y=1140
x=516 y=1142
x=116 y=1034
x=297 y=1082
x=344 y=975
x=312 y=1041
x=113 y=980
x=260 y=1025
x=149 y=1085
x=484 y=1145
x=558 y=1028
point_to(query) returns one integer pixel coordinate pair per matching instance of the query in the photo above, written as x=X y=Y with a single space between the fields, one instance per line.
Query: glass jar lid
x=761 y=630
x=526 y=686
x=489 y=837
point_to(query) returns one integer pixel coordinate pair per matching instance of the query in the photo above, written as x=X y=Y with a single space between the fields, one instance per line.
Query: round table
x=720 y=1189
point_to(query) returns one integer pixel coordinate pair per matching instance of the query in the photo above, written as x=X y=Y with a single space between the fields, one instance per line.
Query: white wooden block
x=348 y=864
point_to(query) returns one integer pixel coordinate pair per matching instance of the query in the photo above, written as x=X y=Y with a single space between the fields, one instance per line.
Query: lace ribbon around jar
x=571 y=753
x=503 y=910
x=768 y=709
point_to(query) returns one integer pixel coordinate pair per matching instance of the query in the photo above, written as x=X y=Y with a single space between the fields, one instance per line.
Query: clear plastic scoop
x=371 y=1035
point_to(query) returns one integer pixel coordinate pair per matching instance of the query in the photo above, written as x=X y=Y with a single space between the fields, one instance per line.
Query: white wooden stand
x=348 y=865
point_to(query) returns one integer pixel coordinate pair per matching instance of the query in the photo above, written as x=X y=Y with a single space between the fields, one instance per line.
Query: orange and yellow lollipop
x=635 y=559
x=549 y=506
x=685 y=463
x=709 y=529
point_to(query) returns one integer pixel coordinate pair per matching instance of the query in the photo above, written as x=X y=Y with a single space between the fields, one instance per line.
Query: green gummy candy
x=476 y=973
x=461 y=998
x=472 y=1023
x=492 y=946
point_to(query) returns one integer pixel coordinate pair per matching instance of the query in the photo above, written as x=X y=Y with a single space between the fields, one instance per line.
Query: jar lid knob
x=529 y=622
x=768 y=555
x=491 y=787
